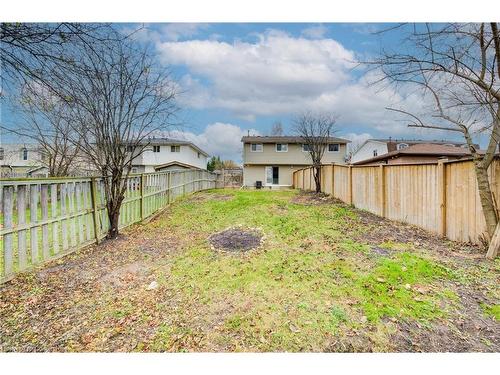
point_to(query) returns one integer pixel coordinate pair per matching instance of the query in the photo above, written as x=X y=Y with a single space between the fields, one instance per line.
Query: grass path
x=326 y=278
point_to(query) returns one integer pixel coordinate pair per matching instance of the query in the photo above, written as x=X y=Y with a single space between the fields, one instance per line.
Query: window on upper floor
x=281 y=147
x=130 y=148
x=333 y=147
x=175 y=148
x=401 y=146
x=306 y=148
x=256 y=147
x=24 y=153
x=156 y=148
x=199 y=155
x=375 y=153
x=1 y=153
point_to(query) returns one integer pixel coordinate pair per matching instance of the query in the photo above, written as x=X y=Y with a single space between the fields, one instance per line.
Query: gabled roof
x=171 y=141
x=285 y=139
x=422 y=149
x=175 y=162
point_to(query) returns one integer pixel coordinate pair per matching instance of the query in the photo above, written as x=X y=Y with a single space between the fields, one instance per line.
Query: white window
x=256 y=147
x=401 y=146
x=199 y=155
x=281 y=147
x=333 y=147
x=306 y=148
x=1 y=153
x=134 y=170
x=175 y=148
x=156 y=148
x=130 y=148
x=24 y=154
x=375 y=153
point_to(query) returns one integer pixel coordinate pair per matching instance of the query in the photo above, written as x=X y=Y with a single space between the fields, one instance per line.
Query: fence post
x=381 y=189
x=168 y=187
x=333 y=180
x=441 y=185
x=349 y=185
x=184 y=183
x=141 y=190
x=95 y=212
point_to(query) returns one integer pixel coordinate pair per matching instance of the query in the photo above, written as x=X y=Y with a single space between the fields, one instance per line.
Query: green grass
x=310 y=286
x=491 y=310
x=308 y=282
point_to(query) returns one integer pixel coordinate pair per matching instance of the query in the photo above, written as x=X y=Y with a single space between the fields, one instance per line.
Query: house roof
x=285 y=139
x=175 y=162
x=172 y=141
x=424 y=149
x=416 y=141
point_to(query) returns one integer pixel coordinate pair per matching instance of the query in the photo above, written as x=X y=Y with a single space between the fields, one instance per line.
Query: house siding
x=294 y=155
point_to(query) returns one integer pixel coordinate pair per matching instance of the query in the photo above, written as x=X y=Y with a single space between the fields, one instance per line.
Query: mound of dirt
x=236 y=239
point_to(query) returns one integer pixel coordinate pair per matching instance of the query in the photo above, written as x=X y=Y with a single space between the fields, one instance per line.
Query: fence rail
x=440 y=197
x=45 y=218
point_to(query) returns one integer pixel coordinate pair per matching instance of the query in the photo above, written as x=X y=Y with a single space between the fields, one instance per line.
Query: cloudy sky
x=239 y=78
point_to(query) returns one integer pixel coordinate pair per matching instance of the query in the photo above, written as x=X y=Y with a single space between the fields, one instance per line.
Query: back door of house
x=272 y=175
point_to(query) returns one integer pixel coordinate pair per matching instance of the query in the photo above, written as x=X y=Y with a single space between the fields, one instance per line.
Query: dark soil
x=236 y=240
x=308 y=198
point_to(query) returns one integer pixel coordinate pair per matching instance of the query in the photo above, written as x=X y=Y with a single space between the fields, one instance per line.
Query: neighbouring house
x=418 y=153
x=271 y=160
x=163 y=154
x=21 y=160
x=372 y=148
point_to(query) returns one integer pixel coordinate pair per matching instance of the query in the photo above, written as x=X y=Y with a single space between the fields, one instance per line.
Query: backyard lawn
x=321 y=277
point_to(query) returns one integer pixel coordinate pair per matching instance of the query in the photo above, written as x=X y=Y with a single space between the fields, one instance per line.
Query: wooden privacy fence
x=440 y=197
x=44 y=219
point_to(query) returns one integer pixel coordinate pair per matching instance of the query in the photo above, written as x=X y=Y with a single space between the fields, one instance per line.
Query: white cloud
x=219 y=138
x=315 y=32
x=281 y=75
x=176 y=31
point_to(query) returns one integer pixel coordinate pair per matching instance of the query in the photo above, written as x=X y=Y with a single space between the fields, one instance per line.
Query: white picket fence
x=45 y=218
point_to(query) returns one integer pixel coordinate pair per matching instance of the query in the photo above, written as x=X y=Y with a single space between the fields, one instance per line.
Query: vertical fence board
x=21 y=235
x=44 y=204
x=8 y=223
x=64 y=212
x=34 y=219
x=54 y=214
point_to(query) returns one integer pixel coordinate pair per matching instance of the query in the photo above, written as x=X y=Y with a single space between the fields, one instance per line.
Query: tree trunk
x=317 y=178
x=486 y=198
x=113 y=216
x=494 y=244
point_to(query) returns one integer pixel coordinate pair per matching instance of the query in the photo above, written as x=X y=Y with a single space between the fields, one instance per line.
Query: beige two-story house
x=271 y=160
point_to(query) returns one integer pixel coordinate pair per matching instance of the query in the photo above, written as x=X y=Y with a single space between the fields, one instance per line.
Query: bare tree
x=457 y=67
x=30 y=51
x=277 y=129
x=45 y=122
x=118 y=97
x=315 y=130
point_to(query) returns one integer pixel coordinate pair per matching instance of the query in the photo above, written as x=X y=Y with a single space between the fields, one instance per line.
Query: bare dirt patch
x=309 y=198
x=378 y=230
x=236 y=239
